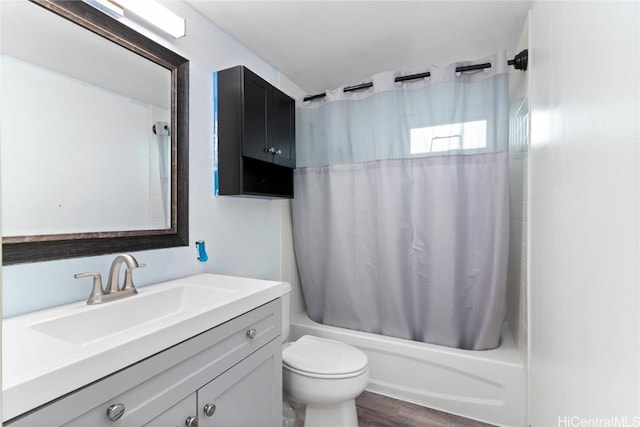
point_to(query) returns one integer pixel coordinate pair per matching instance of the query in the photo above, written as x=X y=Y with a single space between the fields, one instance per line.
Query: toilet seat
x=325 y=376
x=323 y=358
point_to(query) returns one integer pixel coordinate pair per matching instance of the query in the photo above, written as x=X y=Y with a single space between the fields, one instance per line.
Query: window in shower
x=449 y=137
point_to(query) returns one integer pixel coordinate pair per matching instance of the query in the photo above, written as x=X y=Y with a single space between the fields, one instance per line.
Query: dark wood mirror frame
x=24 y=249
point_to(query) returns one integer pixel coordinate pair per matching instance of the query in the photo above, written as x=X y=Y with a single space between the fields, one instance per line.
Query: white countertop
x=40 y=365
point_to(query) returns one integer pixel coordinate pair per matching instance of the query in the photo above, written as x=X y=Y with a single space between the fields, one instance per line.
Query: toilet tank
x=286 y=310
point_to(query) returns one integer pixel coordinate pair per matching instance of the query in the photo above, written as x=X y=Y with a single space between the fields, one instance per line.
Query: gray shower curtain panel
x=401 y=209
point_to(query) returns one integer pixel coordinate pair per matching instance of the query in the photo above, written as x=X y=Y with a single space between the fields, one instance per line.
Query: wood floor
x=375 y=410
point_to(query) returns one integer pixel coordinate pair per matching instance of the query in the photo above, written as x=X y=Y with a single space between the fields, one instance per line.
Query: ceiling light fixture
x=148 y=11
x=107 y=7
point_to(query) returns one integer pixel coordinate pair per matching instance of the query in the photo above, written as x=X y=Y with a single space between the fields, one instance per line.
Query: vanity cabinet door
x=282 y=129
x=247 y=395
x=268 y=122
x=256 y=104
x=179 y=415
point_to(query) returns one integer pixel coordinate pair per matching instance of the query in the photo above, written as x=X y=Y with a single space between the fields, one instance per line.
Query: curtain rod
x=519 y=62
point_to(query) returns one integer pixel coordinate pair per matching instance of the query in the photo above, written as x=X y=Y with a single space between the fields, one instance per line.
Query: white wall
x=1 y=287
x=518 y=181
x=242 y=235
x=0 y=255
x=288 y=264
x=584 y=195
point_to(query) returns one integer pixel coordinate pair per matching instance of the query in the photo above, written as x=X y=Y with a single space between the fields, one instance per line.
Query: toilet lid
x=322 y=356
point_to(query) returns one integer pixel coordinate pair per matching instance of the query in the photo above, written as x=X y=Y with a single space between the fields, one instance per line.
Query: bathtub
x=483 y=385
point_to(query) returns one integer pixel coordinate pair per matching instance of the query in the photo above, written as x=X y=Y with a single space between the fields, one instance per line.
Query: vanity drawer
x=152 y=385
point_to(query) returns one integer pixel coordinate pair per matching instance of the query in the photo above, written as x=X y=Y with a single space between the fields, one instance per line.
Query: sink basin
x=101 y=321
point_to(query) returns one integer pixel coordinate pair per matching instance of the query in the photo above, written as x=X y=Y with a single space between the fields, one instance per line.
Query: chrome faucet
x=113 y=291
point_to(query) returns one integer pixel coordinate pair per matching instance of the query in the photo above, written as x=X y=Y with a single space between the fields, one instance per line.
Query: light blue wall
x=242 y=235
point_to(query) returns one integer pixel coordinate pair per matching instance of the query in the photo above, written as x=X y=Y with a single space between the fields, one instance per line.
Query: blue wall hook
x=202 y=253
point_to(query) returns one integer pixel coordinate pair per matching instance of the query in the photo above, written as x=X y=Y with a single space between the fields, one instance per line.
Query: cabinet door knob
x=209 y=409
x=191 y=422
x=271 y=150
x=279 y=152
x=115 y=411
x=251 y=333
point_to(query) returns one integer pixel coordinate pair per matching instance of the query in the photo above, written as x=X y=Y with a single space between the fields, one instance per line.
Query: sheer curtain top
x=446 y=111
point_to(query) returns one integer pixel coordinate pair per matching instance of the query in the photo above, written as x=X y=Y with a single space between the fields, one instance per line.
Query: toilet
x=324 y=375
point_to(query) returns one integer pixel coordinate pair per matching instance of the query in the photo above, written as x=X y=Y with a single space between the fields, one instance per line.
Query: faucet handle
x=128 y=277
x=97 y=291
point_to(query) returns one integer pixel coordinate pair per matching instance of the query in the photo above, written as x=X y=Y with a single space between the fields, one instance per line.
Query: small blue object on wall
x=202 y=253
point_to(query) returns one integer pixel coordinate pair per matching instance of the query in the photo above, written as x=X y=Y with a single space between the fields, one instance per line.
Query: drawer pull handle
x=115 y=411
x=209 y=409
x=191 y=422
x=251 y=333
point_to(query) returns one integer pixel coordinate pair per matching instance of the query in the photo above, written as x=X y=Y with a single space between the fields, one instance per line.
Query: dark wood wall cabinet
x=256 y=136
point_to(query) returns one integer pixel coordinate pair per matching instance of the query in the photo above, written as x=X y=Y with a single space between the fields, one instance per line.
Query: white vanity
x=201 y=350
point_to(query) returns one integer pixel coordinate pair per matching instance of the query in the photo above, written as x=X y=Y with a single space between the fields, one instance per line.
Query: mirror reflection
x=82 y=171
x=79 y=153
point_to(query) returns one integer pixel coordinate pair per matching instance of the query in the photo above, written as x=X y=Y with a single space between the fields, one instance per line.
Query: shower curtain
x=401 y=210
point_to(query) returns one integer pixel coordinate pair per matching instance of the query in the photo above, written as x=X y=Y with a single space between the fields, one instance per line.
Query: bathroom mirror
x=94 y=135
